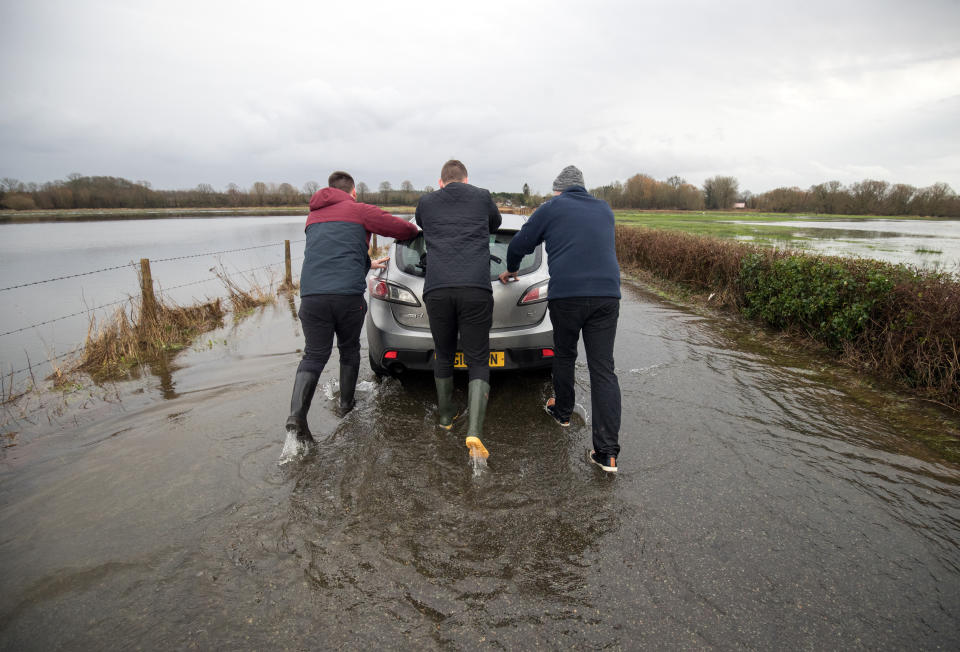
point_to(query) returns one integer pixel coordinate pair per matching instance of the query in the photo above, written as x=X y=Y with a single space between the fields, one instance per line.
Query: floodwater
x=931 y=244
x=33 y=253
x=758 y=506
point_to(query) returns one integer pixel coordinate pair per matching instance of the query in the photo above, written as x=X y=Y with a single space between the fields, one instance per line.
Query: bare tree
x=362 y=191
x=385 y=189
x=310 y=187
x=898 y=199
x=288 y=194
x=720 y=192
x=259 y=190
x=868 y=196
x=10 y=185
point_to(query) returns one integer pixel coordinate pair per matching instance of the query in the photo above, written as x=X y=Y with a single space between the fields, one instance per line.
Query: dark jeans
x=322 y=315
x=597 y=318
x=469 y=312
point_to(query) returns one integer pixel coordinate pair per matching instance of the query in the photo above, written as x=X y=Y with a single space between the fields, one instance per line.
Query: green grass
x=722 y=224
x=719 y=225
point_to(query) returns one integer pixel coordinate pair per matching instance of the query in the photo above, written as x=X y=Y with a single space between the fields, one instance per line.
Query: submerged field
x=923 y=242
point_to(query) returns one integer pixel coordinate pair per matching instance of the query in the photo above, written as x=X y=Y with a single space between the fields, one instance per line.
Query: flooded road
x=756 y=506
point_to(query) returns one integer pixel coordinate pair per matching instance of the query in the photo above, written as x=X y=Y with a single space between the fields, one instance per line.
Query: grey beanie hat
x=570 y=176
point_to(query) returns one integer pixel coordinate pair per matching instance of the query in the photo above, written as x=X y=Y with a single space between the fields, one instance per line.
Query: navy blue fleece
x=578 y=233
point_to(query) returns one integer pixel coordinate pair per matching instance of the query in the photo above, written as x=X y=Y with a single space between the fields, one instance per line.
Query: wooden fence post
x=288 y=280
x=148 y=302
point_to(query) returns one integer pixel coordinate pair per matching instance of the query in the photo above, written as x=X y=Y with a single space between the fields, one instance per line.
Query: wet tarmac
x=758 y=506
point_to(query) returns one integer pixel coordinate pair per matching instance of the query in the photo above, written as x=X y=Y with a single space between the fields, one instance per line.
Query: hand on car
x=379 y=263
x=506 y=277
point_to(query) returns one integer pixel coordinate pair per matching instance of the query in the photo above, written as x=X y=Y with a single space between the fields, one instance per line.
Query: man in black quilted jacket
x=457 y=221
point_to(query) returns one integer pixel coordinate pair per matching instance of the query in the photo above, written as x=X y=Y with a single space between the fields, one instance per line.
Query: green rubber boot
x=446 y=412
x=478 y=391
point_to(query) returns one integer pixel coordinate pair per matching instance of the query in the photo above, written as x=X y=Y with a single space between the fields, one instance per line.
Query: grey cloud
x=775 y=94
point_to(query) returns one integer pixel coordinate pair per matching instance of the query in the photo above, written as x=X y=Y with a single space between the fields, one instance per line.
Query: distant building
x=740 y=204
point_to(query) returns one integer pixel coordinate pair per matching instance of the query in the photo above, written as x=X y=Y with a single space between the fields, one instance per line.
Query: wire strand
x=61 y=278
x=114 y=303
x=37 y=364
x=158 y=260
x=50 y=321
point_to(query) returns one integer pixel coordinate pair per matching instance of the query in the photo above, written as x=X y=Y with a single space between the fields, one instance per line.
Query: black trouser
x=469 y=312
x=597 y=318
x=322 y=315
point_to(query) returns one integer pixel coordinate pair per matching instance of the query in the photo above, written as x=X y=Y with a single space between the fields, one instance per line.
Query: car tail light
x=546 y=353
x=378 y=288
x=387 y=291
x=390 y=355
x=534 y=294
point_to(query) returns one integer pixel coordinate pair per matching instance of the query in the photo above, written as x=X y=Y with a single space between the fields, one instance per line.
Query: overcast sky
x=207 y=91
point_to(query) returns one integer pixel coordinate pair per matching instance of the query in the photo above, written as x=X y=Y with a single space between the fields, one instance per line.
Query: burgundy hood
x=328 y=197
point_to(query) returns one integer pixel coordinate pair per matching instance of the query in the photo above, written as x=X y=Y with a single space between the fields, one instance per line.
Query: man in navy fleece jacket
x=584 y=296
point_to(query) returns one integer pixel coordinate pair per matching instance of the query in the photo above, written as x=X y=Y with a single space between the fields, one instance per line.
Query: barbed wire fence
x=288 y=261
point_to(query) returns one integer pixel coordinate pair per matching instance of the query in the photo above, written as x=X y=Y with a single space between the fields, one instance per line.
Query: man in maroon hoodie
x=332 y=283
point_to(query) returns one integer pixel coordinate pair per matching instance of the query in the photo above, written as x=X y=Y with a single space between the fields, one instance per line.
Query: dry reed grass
x=243 y=300
x=130 y=338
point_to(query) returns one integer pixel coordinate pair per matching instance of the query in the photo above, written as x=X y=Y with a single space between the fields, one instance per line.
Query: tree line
x=868 y=197
x=641 y=191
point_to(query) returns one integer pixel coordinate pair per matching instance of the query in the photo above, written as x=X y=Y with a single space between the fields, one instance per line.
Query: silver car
x=398 y=329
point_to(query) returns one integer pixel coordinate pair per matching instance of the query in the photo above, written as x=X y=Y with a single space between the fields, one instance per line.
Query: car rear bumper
x=522 y=347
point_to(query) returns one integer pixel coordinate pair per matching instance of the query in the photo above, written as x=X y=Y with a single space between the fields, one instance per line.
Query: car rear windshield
x=412 y=260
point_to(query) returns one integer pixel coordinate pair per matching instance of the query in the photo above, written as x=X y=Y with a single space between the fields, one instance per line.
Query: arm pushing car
x=457 y=221
x=584 y=298
x=332 y=283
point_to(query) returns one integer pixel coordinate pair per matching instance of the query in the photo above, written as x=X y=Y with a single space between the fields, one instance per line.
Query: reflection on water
x=757 y=505
x=932 y=244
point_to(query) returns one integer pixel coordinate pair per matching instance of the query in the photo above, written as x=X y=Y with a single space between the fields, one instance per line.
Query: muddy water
x=757 y=506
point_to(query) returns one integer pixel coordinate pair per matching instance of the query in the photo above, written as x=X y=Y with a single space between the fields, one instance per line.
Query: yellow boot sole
x=476 y=447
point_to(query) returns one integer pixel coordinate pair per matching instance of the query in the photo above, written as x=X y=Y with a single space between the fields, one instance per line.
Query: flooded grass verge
x=923 y=424
x=131 y=339
x=896 y=322
x=135 y=336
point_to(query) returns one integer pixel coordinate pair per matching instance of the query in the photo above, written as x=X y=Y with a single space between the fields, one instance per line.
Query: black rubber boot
x=446 y=412
x=348 y=387
x=304 y=385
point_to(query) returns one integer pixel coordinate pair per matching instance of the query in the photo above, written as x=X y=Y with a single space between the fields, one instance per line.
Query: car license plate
x=496 y=359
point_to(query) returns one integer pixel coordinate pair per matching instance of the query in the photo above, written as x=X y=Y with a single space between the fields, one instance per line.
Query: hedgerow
x=898 y=322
